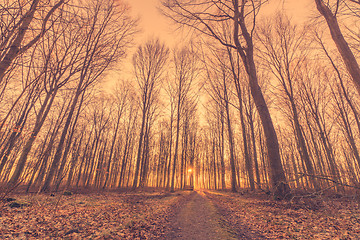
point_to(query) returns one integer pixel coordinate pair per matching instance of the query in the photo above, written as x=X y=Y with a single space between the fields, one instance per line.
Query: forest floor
x=187 y=215
x=108 y=215
x=261 y=217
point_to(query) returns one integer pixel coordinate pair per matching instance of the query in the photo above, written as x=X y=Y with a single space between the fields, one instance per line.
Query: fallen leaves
x=95 y=216
x=303 y=219
x=146 y=215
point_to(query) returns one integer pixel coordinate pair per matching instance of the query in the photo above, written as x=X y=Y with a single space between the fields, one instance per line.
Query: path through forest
x=158 y=214
x=198 y=219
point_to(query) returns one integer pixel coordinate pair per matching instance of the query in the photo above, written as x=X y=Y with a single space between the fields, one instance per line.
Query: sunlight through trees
x=250 y=103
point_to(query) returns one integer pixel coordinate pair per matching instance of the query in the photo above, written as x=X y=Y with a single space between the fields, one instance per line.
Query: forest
x=251 y=111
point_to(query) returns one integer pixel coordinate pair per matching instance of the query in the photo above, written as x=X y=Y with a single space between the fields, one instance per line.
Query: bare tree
x=107 y=32
x=18 y=18
x=330 y=10
x=285 y=49
x=185 y=72
x=131 y=124
x=315 y=100
x=59 y=68
x=209 y=18
x=121 y=98
x=218 y=78
x=149 y=62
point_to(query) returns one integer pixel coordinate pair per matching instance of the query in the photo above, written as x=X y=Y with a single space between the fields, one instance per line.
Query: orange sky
x=154 y=24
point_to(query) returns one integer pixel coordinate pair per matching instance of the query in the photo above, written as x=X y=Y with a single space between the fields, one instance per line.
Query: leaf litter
x=149 y=215
x=314 y=218
x=139 y=215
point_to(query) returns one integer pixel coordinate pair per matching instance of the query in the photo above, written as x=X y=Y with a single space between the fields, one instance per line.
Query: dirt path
x=198 y=219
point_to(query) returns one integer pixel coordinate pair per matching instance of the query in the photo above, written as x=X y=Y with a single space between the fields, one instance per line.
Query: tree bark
x=277 y=176
x=340 y=42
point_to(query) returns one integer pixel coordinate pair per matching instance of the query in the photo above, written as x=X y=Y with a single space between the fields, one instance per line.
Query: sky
x=153 y=24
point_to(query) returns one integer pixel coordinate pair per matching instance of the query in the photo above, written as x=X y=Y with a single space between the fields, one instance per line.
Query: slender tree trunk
x=139 y=153
x=145 y=160
x=222 y=150
x=172 y=186
x=255 y=158
x=59 y=175
x=59 y=149
x=124 y=163
x=232 y=149
x=42 y=115
x=17 y=130
x=305 y=156
x=107 y=174
x=74 y=159
x=168 y=179
x=42 y=148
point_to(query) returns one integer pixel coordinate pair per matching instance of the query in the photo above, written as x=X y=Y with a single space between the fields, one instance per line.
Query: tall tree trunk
x=340 y=42
x=168 y=178
x=232 y=148
x=278 y=179
x=45 y=108
x=74 y=159
x=59 y=175
x=107 y=174
x=139 y=152
x=302 y=148
x=222 y=149
x=172 y=186
x=277 y=176
x=59 y=150
x=255 y=158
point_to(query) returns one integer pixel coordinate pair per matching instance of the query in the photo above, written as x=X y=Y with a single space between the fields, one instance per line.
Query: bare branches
x=330 y=179
x=341 y=44
x=11 y=45
x=72 y=53
x=149 y=66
